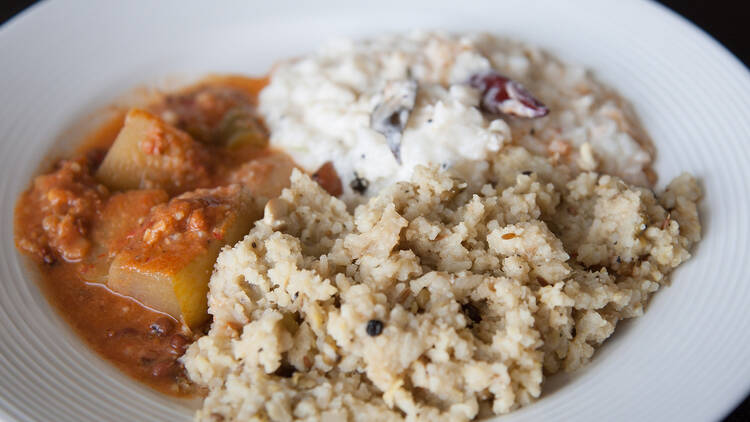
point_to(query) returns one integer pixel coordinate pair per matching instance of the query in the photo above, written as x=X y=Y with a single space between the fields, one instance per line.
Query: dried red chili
x=504 y=95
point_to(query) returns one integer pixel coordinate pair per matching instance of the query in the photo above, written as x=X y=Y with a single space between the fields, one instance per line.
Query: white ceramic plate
x=686 y=359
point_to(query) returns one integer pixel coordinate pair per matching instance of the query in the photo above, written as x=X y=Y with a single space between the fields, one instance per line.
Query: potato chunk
x=149 y=153
x=168 y=262
x=119 y=219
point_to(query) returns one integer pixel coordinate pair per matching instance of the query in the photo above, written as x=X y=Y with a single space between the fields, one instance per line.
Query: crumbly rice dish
x=459 y=280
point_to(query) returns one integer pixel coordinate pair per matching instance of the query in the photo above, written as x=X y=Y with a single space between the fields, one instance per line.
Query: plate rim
x=27 y=16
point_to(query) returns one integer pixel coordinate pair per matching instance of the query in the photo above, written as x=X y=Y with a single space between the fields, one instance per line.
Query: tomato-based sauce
x=196 y=147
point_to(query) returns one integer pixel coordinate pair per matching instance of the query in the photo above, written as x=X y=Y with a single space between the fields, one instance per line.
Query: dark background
x=726 y=20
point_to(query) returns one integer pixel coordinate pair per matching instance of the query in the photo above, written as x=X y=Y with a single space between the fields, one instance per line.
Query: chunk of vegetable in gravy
x=149 y=153
x=120 y=217
x=241 y=127
x=126 y=266
x=266 y=176
x=218 y=115
x=167 y=263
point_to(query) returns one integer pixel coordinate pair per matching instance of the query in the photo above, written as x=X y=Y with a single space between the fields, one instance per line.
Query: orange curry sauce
x=69 y=223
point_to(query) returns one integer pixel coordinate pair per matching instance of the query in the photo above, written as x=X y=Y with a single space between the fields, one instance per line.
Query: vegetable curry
x=126 y=231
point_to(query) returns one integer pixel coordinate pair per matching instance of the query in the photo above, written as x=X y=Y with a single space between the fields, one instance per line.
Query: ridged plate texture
x=686 y=359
